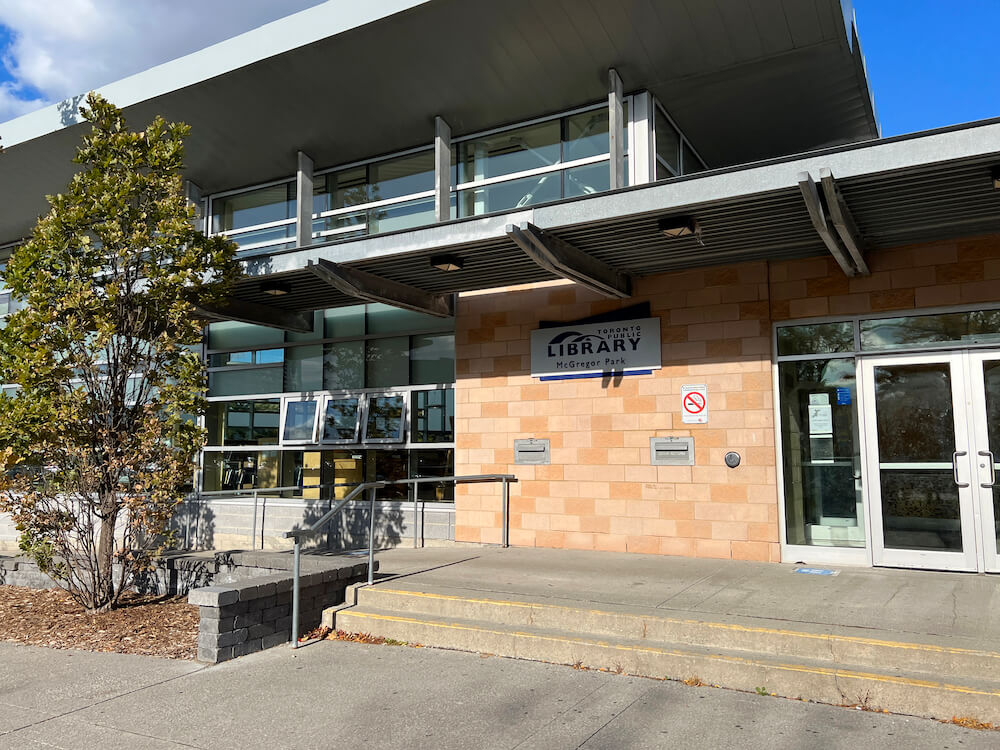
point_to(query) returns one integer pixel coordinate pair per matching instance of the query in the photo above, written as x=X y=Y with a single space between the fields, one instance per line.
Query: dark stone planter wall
x=254 y=614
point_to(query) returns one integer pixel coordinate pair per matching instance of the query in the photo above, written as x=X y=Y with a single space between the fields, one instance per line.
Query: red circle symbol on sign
x=694 y=403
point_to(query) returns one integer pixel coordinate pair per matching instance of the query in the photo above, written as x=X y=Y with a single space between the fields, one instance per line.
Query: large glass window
x=384 y=423
x=241 y=470
x=262 y=217
x=243 y=422
x=380 y=190
x=533 y=158
x=916 y=331
x=341 y=418
x=433 y=416
x=300 y=421
x=820 y=452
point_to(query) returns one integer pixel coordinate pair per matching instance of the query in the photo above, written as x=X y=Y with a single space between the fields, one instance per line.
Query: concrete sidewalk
x=912 y=642
x=333 y=694
x=959 y=606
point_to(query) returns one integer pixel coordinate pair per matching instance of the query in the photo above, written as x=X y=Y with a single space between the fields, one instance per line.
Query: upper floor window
x=262 y=217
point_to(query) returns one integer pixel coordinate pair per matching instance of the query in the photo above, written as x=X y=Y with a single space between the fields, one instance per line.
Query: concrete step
x=862 y=646
x=920 y=678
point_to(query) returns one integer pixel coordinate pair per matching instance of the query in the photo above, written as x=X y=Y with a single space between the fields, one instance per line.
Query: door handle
x=954 y=467
x=993 y=470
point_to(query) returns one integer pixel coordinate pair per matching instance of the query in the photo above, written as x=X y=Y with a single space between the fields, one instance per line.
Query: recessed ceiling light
x=447 y=262
x=275 y=288
x=679 y=226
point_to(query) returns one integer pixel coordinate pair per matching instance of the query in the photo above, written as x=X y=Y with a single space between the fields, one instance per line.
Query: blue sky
x=930 y=63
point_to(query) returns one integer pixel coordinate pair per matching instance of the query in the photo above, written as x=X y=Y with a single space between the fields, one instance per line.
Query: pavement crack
x=613 y=717
x=106 y=700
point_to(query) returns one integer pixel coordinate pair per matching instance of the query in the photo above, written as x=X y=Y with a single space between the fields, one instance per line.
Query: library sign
x=628 y=347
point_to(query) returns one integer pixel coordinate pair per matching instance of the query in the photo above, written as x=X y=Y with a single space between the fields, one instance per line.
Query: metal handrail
x=373 y=487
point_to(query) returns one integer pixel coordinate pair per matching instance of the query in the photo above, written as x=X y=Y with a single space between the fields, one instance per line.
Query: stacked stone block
x=251 y=615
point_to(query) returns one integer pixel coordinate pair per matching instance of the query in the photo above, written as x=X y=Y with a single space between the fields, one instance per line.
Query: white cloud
x=65 y=47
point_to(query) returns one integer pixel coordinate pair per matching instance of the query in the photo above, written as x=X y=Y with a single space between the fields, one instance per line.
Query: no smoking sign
x=694 y=404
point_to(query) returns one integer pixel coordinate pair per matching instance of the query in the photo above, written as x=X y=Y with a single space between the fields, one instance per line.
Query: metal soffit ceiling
x=926 y=204
x=790 y=70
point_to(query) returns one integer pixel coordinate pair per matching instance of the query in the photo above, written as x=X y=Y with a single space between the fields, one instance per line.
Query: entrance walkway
x=908 y=641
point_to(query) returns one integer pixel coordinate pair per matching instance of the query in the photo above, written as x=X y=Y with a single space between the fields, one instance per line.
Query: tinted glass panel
x=342 y=322
x=510 y=151
x=978 y=327
x=434 y=463
x=300 y=420
x=432 y=359
x=818 y=338
x=668 y=142
x=232 y=335
x=243 y=382
x=344 y=366
x=304 y=368
x=916 y=436
x=433 y=416
x=404 y=175
x=586 y=135
x=820 y=450
x=387 y=362
x=253 y=207
x=385 y=418
x=340 y=422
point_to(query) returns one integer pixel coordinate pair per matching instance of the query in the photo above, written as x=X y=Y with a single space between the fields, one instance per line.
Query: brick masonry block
x=216 y=625
x=213 y=596
x=214 y=655
x=270 y=641
x=248 y=647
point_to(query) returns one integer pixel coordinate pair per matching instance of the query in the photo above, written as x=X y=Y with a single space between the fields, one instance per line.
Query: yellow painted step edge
x=845 y=673
x=718 y=625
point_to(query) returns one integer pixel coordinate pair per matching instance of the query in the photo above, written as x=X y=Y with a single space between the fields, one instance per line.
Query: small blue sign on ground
x=818 y=571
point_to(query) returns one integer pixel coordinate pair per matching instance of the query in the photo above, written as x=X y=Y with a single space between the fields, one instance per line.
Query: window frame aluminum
x=631 y=125
x=300 y=398
x=359 y=409
x=858 y=556
x=404 y=417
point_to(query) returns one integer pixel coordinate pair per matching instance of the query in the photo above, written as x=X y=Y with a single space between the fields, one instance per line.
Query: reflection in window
x=243 y=422
x=236 y=213
x=816 y=338
x=340 y=420
x=433 y=416
x=433 y=463
x=820 y=451
x=241 y=470
x=975 y=327
x=385 y=418
x=300 y=421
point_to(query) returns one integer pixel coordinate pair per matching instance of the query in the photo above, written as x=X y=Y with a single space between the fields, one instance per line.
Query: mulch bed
x=148 y=625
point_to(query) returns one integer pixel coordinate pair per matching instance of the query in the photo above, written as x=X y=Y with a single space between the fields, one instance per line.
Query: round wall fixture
x=732 y=459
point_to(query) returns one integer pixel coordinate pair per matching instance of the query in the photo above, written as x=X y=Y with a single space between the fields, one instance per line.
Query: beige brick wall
x=600 y=491
x=944 y=274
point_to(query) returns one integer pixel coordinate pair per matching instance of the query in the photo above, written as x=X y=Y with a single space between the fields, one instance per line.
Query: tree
x=99 y=441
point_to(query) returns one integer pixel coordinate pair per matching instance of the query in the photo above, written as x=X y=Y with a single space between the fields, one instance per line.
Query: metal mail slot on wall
x=531 y=451
x=671 y=451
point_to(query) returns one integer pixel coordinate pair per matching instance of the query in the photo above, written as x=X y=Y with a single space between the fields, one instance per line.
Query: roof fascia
x=283 y=35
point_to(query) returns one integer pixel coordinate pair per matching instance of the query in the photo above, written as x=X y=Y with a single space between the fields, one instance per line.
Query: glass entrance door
x=922 y=503
x=984 y=376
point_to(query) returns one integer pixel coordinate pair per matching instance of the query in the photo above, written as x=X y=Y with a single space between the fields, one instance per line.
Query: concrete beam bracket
x=371 y=288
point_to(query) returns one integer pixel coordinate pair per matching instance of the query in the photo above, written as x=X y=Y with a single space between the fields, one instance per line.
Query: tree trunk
x=104 y=594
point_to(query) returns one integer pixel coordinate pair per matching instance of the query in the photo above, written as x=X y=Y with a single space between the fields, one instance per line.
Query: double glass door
x=932 y=427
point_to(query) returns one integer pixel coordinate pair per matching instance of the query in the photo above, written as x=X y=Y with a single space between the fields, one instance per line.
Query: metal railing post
x=295 y=593
x=371 y=538
x=413 y=489
x=505 y=513
x=253 y=532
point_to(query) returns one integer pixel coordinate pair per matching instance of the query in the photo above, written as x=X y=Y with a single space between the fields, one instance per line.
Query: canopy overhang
x=346 y=81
